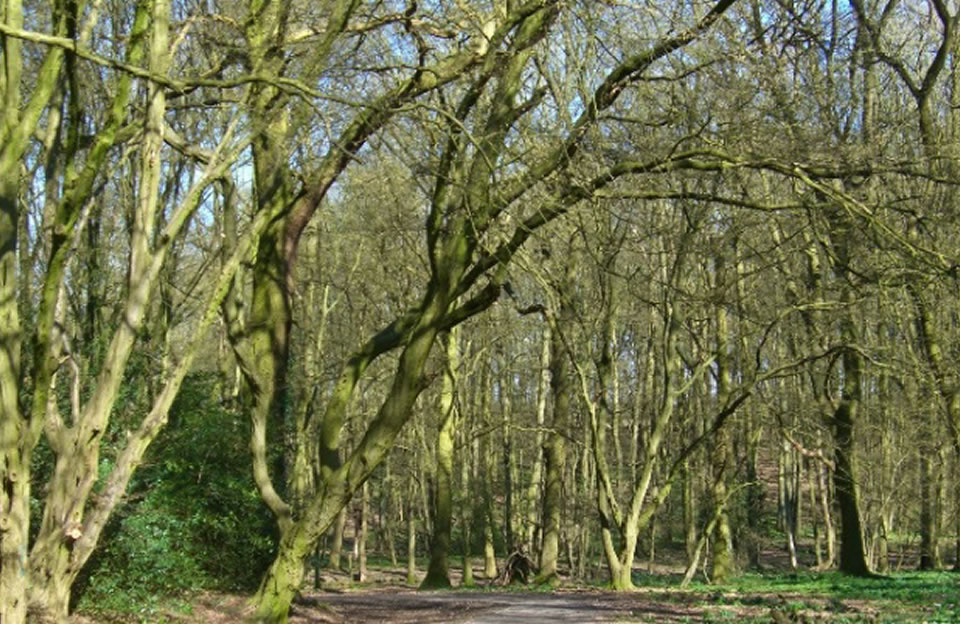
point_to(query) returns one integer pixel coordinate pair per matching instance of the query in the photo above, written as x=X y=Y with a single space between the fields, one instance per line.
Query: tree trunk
x=823 y=487
x=336 y=549
x=411 y=547
x=928 y=554
x=489 y=552
x=70 y=528
x=812 y=469
x=555 y=451
x=883 y=547
x=14 y=505
x=754 y=488
x=282 y=580
x=956 y=501
x=690 y=541
x=263 y=348
x=508 y=459
x=14 y=458
x=940 y=505
x=468 y=501
x=723 y=563
x=533 y=497
x=389 y=492
x=853 y=559
x=362 y=531
x=789 y=498
x=438 y=573
x=488 y=511
x=18 y=434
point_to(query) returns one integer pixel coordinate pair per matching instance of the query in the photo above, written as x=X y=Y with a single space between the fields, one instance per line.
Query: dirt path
x=546 y=609
x=587 y=607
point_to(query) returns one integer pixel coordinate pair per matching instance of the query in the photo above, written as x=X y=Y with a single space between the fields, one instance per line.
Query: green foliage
x=193 y=519
x=908 y=587
x=143 y=565
x=904 y=597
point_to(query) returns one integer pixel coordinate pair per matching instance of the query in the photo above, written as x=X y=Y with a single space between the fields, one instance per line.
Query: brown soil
x=405 y=606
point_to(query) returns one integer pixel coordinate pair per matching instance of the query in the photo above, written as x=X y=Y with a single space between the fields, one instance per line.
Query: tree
x=438 y=575
x=462 y=211
x=559 y=323
x=87 y=381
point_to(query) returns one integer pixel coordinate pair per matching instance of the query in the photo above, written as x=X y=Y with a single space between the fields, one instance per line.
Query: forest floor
x=406 y=606
x=775 y=596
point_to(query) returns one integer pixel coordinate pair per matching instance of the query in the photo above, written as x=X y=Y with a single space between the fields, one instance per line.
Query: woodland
x=286 y=286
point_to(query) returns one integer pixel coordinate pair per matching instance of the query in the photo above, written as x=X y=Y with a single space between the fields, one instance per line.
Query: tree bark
x=689 y=504
x=411 y=547
x=508 y=459
x=534 y=519
x=362 y=533
x=487 y=510
x=14 y=455
x=853 y=558
x=336 y=549
x=555 y=451
x=438 y=573
x=723 y=563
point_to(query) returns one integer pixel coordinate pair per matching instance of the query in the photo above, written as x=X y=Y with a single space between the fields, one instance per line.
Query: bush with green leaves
x=193 y=518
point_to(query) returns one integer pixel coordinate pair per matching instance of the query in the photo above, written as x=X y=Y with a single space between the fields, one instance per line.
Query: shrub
x=193 y=519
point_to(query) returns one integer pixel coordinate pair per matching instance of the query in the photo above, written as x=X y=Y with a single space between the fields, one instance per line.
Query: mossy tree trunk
x=723 y=564
x=853 y=558
x=469 y=503
x=19 y=428
x=262 y=346
x=21 y=424
x=949 y=393
x=689 y=504
x=411 y=546
x=559 y=322
x=68 y=532
x=438 y=572
x=15 y=454
x=486 y=508
x=489 y=517
x=532 y=499
x=272 y=601
x=467 y=536
x=390 y=498
x=508 y=459
x=336 y=548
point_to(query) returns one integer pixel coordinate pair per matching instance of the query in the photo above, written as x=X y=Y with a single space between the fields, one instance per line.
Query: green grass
x=902 y=597
x=908 y=587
